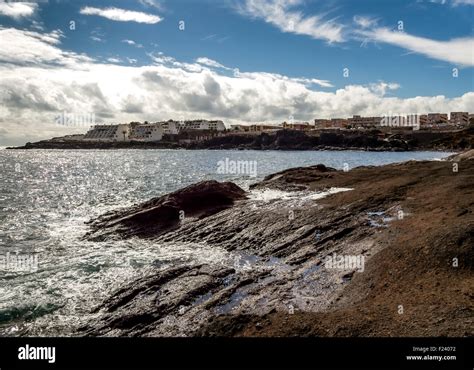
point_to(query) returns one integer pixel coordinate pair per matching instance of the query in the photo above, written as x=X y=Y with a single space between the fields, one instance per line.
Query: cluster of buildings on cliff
x=136 y=131
x=197 y=130
x=417 y=121
x=430 y=121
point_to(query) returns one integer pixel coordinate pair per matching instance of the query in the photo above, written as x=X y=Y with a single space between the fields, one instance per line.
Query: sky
x=241 y=61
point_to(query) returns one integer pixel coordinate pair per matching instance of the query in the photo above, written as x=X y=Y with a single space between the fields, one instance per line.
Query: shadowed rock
x=296 y=178
x=160 y=215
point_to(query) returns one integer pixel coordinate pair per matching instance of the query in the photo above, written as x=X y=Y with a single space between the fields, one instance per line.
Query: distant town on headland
x=198 y=130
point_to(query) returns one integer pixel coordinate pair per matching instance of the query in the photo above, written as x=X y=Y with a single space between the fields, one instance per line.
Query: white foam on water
x=268 y=195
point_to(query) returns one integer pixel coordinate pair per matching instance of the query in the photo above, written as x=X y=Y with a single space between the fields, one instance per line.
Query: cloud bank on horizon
x=149 y=60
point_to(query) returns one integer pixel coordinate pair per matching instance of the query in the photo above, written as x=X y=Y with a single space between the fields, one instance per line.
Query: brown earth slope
x=413 y=287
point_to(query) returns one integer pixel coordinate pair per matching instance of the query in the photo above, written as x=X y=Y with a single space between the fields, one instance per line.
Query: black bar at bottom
x=221 y=353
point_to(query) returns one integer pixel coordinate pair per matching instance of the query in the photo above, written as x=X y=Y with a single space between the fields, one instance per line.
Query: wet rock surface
x=406 y=222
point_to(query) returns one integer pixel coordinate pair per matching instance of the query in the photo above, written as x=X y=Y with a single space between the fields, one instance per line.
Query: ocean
x=50 y=278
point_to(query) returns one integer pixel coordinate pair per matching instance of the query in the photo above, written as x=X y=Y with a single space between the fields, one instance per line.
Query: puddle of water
x=378 y=213
x=379 y=219
x=234 y=301
x=376 y=224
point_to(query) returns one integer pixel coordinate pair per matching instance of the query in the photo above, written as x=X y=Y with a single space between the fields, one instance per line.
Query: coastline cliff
x=291 y=140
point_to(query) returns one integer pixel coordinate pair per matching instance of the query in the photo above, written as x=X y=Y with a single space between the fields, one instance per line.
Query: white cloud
x=265 y=76
x=210 y=63
x=463 y=2
x=381 y=87
x=152 y=3
x=364 y=21
x=17 y=10
x=453 y=3
x=39 y=80
x=122 y=15
x=29 y=47
x=114 y=60
x=131 y=42
x=312 y=81
x=97 y=36
x=457 y=51
x=279 y=13
x=163 y=60
x=209 y=37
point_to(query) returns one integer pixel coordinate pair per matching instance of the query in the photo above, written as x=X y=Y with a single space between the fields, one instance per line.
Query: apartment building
x=364 y=122
x=423 y=119
x=322 y=123
x=217 y=126
x=417 y=121
x=147 y=132
x=459 y=118
x=239 y=128
x=262 y=128
x=300 y=126
x=202 y=125
x=437 y=118
x=170 y=127
x=338 y=123
x=108 y=133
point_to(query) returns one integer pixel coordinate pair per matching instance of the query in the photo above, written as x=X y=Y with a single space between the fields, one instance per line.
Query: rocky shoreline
x=410 y=224
x=292 y=140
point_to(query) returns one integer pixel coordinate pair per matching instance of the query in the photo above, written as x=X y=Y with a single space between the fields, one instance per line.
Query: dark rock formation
x=271 y=278
x=165 y=213
x=295 y=178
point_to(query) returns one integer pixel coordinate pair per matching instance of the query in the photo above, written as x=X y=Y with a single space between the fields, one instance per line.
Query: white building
x=147 y=132
x=170 y=127
x=202 y=125
x=108 y=133
x=239 y=128
x=216 y=126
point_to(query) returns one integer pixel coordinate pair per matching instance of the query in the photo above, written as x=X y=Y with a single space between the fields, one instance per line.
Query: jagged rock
x=462 y=156
x=295 y=178
x=165 y=213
